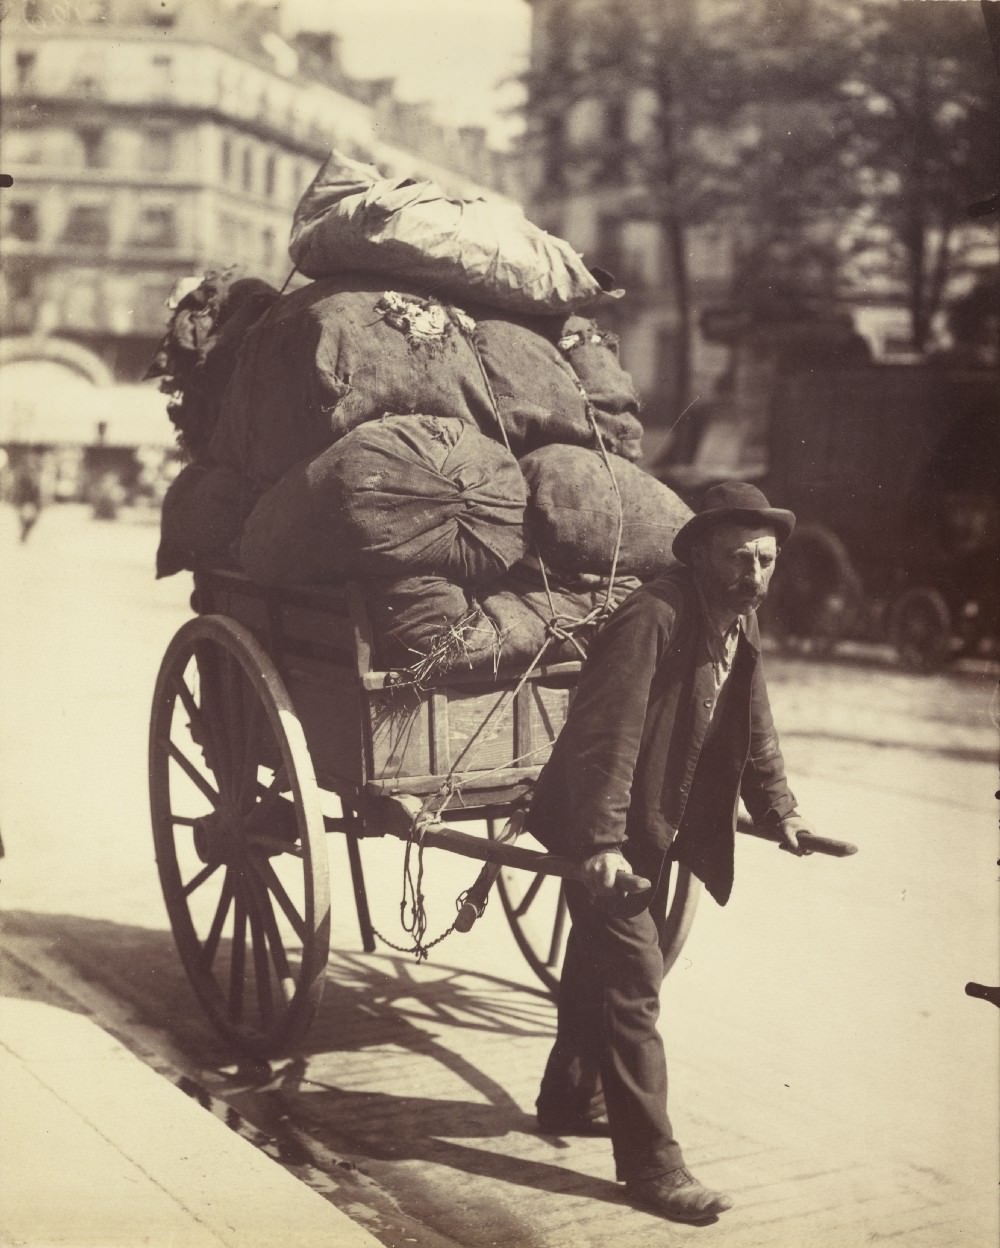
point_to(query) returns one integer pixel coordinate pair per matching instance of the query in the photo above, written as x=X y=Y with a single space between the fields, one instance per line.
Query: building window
x=226 y=162
x=23 y=222
x=269 y=176
x=20 y=284
x=162 y=12
x=158 y=150
x=613 y=160
x=162 y=78
x=229 y=229
x=81 y=303
x=151 y=307
x=267 y=248
x=92 y=141
x=614 y=121
x=554 y=151
x=24 y=70
x=247 y=173
x=156 y=227
x=609 y=252
x=88 y=224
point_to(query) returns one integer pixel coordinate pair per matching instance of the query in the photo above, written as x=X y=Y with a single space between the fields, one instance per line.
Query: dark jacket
x=641 y=763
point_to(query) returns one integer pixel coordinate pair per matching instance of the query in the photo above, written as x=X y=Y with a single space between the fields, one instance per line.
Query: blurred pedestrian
x=669 y=727
x=26 y=494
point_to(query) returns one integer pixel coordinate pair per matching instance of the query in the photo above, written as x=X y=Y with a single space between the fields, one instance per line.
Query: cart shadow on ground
x=381 y=1016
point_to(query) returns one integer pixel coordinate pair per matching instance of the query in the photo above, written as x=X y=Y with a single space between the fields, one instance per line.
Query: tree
x=925 y=146
x=740 y=132
x=840 y=143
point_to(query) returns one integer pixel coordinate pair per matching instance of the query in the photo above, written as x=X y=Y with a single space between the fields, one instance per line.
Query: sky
x=454 y=53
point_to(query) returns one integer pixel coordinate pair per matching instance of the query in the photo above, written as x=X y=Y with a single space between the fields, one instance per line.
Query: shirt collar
x=712 y=628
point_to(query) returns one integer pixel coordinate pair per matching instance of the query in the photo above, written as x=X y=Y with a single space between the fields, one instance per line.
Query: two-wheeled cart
x=271 y=728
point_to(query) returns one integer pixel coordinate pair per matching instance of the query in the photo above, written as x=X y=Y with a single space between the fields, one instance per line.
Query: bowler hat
x=732 y=502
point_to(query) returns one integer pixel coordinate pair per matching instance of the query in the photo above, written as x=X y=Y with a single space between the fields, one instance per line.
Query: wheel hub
x=220 y=838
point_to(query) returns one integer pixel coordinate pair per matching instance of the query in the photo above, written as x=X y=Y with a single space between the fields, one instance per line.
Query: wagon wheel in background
x=816 y=595
x=536 y=909
x=920 y=628
x=239 y=836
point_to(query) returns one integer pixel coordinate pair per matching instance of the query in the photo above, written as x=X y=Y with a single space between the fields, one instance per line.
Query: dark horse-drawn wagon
x=894 y=474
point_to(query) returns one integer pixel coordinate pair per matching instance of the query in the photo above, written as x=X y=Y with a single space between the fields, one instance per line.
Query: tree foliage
x=840 y=142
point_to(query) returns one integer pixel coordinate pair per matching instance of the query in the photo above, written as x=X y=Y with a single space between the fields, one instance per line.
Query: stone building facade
x=149 y=140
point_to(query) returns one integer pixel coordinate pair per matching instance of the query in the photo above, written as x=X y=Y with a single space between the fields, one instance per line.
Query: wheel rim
x=239 y=836
x=921 y=629
x=536 y=909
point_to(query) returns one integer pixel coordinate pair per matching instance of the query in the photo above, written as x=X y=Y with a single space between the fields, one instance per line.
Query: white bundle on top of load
x=436 y=415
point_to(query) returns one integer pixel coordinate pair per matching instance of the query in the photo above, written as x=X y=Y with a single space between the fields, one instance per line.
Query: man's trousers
x=606 y=1037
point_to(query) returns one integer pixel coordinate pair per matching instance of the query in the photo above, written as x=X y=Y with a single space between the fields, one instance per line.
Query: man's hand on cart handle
x=805 y=839
x=791 y=828
x=607 y=873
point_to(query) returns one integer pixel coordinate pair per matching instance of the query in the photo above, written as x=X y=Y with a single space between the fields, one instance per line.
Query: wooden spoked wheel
x=239 y=836
x=920 y=628
x=536 y=909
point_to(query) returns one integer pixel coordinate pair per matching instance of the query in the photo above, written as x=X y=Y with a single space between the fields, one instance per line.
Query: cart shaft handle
x=472 y=905
x=807 y=841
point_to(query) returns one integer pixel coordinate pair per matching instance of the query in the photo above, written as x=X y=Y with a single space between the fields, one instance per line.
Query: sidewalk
x=99 y=1151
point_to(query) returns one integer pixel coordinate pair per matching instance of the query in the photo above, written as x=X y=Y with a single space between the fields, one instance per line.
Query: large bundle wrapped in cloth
x=201 y=519
x=610 y=390
x=429 y=626
x=550 y=618
x=198 y=354
x=343 y=351
x=480 y=250
x=540 y=396
x=578 y=516
x=404 y=495
x=335 y=354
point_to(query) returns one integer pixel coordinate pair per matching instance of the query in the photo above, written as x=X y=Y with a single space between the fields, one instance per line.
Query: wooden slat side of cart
x=476 y=739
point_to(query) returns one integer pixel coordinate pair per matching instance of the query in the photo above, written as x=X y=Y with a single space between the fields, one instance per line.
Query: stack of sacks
x=437 y=416
x=342 y=351
x=431 y=625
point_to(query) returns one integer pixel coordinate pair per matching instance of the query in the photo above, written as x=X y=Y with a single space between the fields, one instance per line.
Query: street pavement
x=97 y=1150
x=826 y=1067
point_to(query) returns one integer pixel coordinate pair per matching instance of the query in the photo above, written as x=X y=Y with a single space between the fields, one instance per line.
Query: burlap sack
x=573 y=513
x=527 y=610
x=290 y=537
x=541 y=398
x=427 y=495
x=538 y=398
x=337 y=353
x=427 y=626
x=200 y=520
x=484 y=249
x=593 y=356
x=404 y=495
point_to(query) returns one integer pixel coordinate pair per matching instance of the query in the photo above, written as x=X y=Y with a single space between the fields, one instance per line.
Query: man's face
x=734 y=565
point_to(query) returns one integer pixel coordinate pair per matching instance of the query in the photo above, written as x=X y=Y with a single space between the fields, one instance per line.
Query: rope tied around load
x=558 y=628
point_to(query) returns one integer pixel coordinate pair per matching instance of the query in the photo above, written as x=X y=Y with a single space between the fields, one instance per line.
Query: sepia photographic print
x=499 y=615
